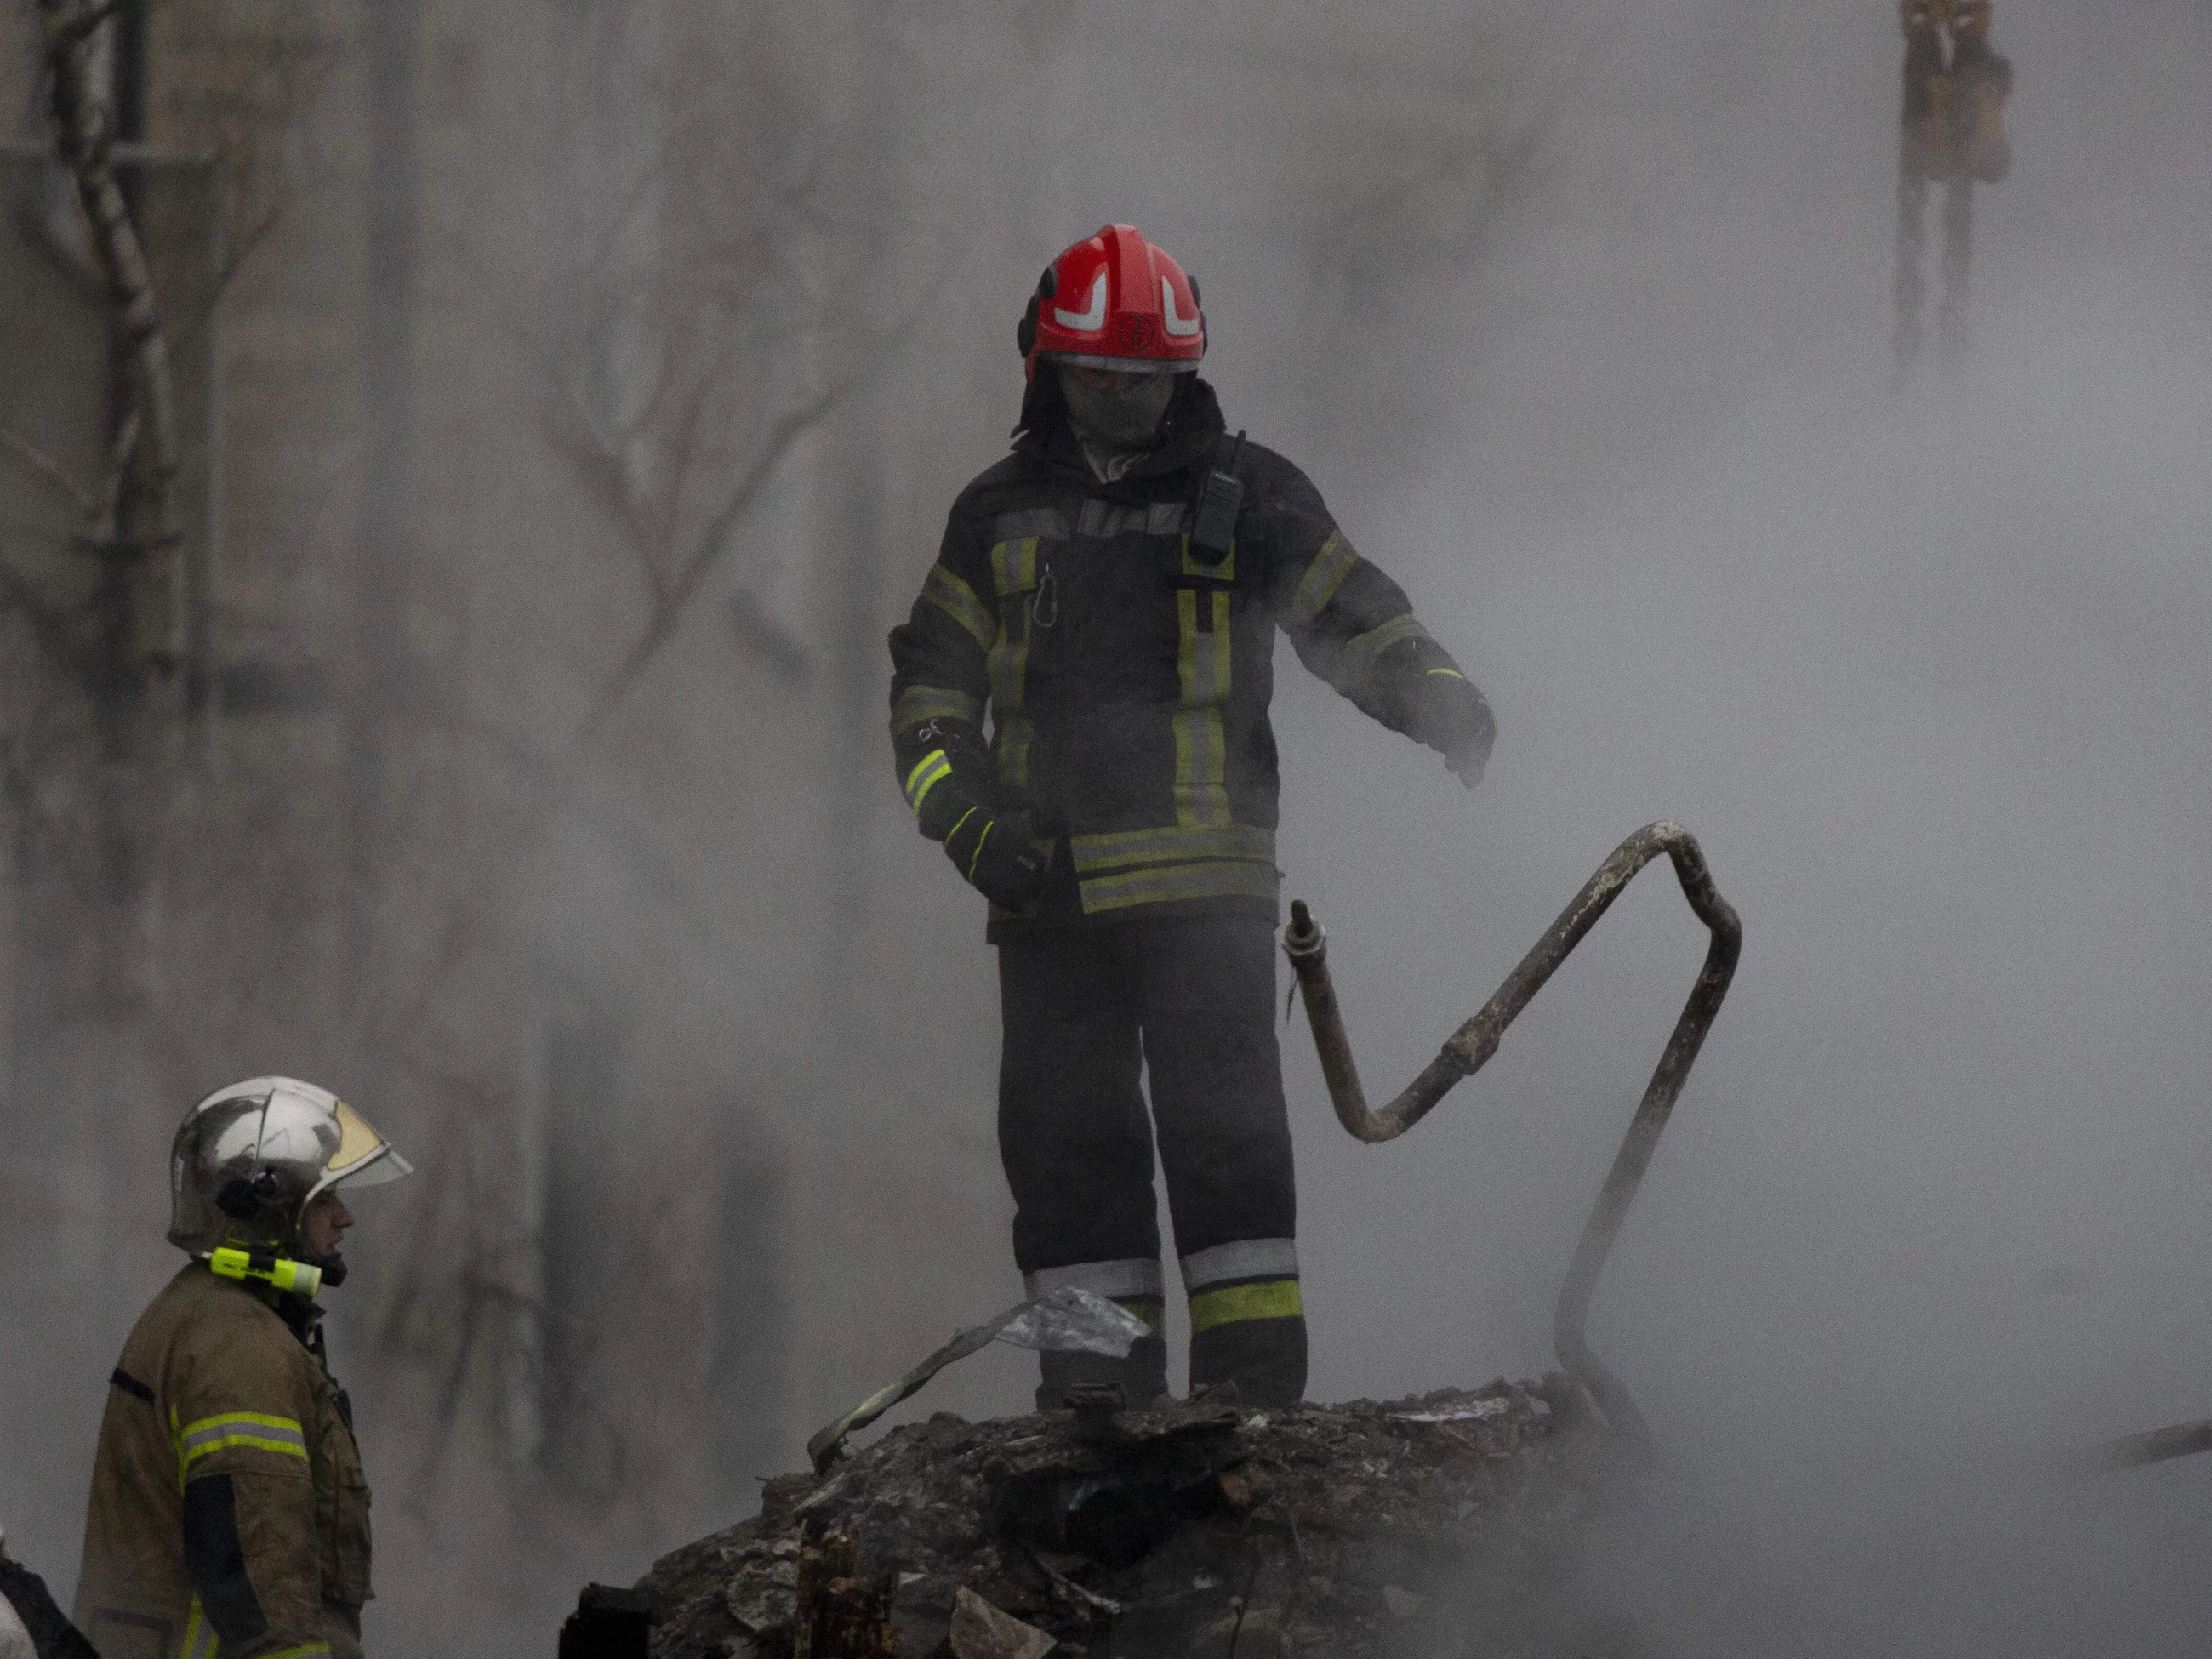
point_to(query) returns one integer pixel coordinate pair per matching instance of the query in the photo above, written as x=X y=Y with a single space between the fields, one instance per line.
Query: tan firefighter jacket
x=228 y=1513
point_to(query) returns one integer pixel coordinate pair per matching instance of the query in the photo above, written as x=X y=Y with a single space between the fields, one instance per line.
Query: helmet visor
x=363 y=1158
x=1122 y=365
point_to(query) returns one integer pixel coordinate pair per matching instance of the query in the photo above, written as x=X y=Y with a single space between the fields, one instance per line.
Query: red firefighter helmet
x=1115 y=300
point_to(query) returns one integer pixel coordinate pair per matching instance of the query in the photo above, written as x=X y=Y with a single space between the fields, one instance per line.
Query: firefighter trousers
x=1187 y=1004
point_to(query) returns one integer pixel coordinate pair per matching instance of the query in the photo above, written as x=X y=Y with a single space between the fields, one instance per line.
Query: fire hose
x=1469 y=1049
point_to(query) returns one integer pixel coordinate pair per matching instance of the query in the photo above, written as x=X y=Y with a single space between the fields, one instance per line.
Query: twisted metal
x=1470 y=1047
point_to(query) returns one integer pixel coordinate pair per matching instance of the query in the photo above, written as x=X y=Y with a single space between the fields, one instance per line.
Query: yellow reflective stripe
x=979 y=839
x=918 y=704
x=1152 y=1309
x=1166 y=884
x=1201 y=797
x=1202 y=673
x=931 y=770
x=958 y=600
x=1276 y=1299
x=1223 y=572
x=1202 y=653
x=200 y=1639
x=260 y=1419
x=964 y=816
x=1377 y=639
x=1179 y=843
x=255 y=1429
x=258 y=1443
x=302 y=1651
x=1013 y=571
x=1454 y=672
x=1009 y=661
x=1014 y=565
x=1335 y=561
x=1016 y=732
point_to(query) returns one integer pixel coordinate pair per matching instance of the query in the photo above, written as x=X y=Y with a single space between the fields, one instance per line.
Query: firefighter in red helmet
x=1109 y=593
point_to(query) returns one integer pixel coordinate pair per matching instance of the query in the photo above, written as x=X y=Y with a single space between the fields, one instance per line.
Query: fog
x=1580 y=320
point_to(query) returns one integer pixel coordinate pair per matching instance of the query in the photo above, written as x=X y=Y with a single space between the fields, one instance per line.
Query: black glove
x=949 y=784
x=999 y=858
x=1455 y=720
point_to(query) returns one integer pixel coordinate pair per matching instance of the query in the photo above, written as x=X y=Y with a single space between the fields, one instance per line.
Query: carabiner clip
x=1043 y=614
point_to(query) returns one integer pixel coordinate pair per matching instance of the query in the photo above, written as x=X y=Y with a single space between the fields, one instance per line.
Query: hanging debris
x=1951 y=132
x=1431 y=1524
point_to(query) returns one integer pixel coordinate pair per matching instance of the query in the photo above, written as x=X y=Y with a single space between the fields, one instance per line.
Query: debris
x=1473 y=1411
x=980 y=1631
x=1066 y=1321
x=1074 y=1322
x=608 y=1624
x=840 y=1611
x=1329 y=1532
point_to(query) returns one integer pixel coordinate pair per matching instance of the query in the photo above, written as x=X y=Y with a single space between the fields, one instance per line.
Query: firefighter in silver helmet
x=229 y=1510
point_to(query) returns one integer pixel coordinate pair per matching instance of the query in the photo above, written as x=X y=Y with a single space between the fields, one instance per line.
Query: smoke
x=1920 y=669
x=1580 y=321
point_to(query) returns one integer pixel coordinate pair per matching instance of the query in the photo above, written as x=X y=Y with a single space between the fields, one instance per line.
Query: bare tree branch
x=70 y=22
x=44 y=467
x=713 y=539
x=86 y=129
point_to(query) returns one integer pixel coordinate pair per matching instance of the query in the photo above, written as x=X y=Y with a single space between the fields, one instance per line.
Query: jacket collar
x=1191 y=428
x=303 y=1317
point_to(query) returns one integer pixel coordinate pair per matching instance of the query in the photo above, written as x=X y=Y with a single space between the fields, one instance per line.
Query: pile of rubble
x=1435 y=1526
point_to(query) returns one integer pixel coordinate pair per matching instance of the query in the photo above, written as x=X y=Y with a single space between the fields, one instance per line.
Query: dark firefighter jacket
x=228 y=1511
x=1128 y=681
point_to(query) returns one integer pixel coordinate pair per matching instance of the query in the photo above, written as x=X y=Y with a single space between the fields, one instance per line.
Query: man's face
x=1115 y=407
x=324 y=1224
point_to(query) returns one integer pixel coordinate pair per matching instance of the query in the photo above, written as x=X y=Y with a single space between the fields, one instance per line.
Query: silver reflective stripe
x=1105 y=519
x=1046 y=522
x=1136 y=1276
x=1247 y=1258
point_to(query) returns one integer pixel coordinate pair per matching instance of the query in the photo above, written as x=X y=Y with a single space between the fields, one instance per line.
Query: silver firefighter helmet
x=249 y=1159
